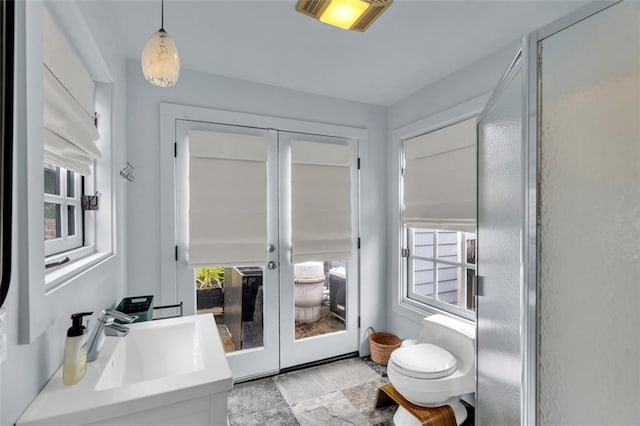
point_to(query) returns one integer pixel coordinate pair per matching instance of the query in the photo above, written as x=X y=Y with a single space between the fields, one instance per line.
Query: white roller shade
x=70 y=133
x=321 y=201
x=440 y=178
x=227 y=199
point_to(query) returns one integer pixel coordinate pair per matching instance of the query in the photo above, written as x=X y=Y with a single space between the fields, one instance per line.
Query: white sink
x=159 y=363
x=156 y=350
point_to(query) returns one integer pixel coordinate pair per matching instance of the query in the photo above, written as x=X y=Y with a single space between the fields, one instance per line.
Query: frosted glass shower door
x=559 y=227
x=589 y=233
x=500 y=224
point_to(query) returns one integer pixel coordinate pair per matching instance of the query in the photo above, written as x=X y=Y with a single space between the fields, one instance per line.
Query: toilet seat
x=424 y=361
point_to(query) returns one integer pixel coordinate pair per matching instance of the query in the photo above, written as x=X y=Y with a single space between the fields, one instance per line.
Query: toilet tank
x=456 y=336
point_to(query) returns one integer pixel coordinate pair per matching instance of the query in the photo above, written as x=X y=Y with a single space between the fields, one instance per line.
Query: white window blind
x=321 y=201
x=70 y=133
x=227 y=199
x=440 y=178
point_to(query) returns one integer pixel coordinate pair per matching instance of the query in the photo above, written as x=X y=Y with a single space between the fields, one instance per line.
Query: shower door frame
x=529 y=56
x=531 y=248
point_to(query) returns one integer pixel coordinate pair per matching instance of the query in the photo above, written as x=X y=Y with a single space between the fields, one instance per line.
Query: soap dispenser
x=75 y=350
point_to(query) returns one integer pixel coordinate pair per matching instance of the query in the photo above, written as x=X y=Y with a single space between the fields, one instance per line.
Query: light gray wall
x=29 y=367
x=474 y=80
x=210 y=91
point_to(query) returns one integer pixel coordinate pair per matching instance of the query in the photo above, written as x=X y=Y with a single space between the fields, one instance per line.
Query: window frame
x=407 y=248
x=65 y=259
x=402 y=305
x=65 y=242
x=63 y=267
x=434 y=301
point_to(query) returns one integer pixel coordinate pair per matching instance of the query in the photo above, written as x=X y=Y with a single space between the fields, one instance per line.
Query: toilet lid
x=424 y=361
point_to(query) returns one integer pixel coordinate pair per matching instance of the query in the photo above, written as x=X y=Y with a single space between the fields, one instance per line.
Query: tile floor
x=342 y=392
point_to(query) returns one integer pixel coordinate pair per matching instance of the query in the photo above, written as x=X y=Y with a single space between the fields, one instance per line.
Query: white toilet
x=436 y=369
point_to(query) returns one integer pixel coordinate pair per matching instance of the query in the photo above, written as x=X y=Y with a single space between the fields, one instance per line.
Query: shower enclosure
x=559 y=227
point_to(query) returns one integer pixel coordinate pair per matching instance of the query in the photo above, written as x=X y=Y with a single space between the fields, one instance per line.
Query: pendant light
x=160 y=60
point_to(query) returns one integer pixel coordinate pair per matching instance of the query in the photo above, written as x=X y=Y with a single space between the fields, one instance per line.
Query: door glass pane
x=51 y=179
x=234 y=296
x=320 y=298
x=52 y=221
x=71 y=221
x=227 y=198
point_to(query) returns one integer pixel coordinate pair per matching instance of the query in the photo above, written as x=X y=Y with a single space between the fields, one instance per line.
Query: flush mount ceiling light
x=354 y=15
x=160 y=60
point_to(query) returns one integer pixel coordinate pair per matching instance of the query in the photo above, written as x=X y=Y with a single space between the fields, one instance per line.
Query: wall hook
x=128 y=171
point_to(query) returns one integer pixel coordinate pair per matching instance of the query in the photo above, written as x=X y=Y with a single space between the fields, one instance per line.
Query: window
x=60 y=130
x=439 y=218
x=441 y=268
x=70 y=146
x=63 y=224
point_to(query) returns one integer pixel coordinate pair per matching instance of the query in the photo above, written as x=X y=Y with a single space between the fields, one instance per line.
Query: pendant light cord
x=162 y=15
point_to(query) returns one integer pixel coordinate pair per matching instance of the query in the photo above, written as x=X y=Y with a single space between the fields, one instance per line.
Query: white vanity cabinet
x=165 y=372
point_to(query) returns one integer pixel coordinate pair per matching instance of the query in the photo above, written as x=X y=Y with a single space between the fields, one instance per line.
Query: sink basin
x=162 y=350
x=157 y=364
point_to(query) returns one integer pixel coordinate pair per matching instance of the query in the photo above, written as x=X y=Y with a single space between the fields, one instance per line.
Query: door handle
x=271 y=265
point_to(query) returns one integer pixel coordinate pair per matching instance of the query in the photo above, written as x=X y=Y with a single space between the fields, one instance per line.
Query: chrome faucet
x=107 y=326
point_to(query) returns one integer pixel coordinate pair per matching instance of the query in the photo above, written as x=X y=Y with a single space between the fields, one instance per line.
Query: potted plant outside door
x=210 y=287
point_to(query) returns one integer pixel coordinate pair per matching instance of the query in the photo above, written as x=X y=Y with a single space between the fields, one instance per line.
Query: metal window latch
x=405 y=252
x=478 y=284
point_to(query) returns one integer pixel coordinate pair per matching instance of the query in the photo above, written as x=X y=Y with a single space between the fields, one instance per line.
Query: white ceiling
x=413 y=44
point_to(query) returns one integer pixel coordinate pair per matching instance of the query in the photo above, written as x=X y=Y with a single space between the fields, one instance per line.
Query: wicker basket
x=382 y=344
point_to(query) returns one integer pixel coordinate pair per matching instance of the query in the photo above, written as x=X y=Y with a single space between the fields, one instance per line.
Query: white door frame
x=265 y=358
x=170 y=114
x=296 y=352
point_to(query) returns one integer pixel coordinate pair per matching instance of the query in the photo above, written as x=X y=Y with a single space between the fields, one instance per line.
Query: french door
x=300 y=340
x=239 y=188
